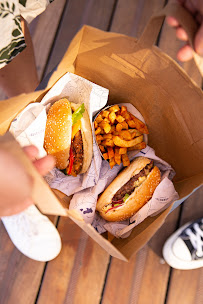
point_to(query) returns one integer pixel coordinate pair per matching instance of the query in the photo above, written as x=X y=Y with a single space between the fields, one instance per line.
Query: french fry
x=99 y=118
x=107 y=128
x=126 y=115
x=105 y=114
x=117 y=156
x=102 y=148
x=125 y=134
x=115 y=133
x=139 y=125
x=114 y=108
x=125 y=160
x=135 y=132
x=99 y=142
x=99 y=137
x=122 y=150
x=123 y=109
x=124 y=125
x=107 y=136
x=119 y=127
x=95 y=124
x=110 y=152
x=140 y=146
x=112 y=117
x=120 y=118
x=106 y=120
x=113 y=128
x=105 y=156
x=98 y=131
x=108 y=143
x=127 y=143
x=131 y=124
x=112 y=162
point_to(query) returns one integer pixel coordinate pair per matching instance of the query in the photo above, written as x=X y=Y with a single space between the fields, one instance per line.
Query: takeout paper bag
x=134 y=71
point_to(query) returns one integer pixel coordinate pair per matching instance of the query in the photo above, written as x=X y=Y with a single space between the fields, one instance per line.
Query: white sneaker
x=184 y=249
x=33 y=234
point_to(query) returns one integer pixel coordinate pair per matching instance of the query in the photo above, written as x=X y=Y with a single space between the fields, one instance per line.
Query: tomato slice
x=71 y=160
x=114 y=207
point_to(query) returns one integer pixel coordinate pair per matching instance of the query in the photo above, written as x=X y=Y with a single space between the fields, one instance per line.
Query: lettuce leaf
x=77 y=115
x=126 y=197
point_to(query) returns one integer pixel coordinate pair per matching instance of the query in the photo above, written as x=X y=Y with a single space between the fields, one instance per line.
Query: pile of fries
x=117 y=132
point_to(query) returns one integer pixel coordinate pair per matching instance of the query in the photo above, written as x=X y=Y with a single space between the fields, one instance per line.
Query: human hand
x=195 y=7
x=15 y=183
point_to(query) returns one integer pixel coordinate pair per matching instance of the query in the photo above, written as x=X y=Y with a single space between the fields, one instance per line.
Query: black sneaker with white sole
x=184 y=248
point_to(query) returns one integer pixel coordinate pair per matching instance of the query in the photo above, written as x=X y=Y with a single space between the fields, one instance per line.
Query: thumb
x=198 y=43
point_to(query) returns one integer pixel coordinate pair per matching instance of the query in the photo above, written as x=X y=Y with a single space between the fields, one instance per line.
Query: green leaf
x=16 y=33
x=13 y=7
x=126 y=197
x=23 y=2
x=2 y=5
x=77 y=115
x=4 y=16
x=7 y=4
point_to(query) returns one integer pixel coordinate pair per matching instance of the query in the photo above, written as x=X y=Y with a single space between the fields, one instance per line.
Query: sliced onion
x=117 y=202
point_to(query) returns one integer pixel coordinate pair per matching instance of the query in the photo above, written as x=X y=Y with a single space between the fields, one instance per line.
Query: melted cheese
x=75 y=128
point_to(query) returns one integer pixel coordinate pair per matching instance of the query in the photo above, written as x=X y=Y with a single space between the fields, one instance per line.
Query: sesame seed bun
x=141 y=195
x=57 y=140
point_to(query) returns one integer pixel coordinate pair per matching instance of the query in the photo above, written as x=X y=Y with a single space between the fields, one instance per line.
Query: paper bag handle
x=41 y=194
x=151 y=31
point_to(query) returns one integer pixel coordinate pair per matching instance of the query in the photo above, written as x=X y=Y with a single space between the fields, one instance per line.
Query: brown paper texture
x=171 y=104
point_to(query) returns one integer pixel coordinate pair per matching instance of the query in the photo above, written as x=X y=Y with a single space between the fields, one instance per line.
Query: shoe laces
x=196 y=238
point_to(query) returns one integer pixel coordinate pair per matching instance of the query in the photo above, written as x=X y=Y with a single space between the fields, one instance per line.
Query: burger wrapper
x=29 y=128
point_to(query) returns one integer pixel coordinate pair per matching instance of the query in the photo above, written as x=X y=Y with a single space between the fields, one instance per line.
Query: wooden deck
x=84 y=273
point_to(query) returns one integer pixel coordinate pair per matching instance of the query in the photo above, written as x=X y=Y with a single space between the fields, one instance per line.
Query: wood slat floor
x=84 y=272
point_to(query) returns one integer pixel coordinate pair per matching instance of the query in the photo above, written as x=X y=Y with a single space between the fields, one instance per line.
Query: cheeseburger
x=68 y=137
x=129 y=191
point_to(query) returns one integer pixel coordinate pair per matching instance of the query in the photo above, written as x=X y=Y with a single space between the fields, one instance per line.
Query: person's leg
x=20 y=75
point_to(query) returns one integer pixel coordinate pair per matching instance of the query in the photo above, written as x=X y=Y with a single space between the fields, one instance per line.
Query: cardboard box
x=137 y=72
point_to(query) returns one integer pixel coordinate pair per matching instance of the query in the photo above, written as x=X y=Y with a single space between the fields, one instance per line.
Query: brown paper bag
x=134 y=71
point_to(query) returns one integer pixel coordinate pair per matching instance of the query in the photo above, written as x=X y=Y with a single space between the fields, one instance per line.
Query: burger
x=68 y=137
x=129 y=191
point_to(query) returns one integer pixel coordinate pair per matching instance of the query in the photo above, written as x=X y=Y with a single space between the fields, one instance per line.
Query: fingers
x=45 y=164
x=172 y=21
x=198 y=43
x=185 y=53
x=31 y=152
x=181 y=34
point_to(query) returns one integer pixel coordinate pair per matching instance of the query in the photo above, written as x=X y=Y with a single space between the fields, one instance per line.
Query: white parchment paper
x=29 y=128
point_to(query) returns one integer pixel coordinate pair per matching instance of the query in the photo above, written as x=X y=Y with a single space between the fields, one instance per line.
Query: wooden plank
x=131 y=16
x=81 y=264
x=77 y=13
x=43 y=30
x=186 y=285
x=17 y=273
